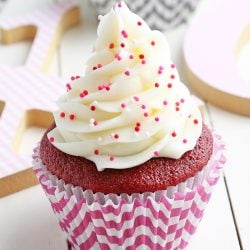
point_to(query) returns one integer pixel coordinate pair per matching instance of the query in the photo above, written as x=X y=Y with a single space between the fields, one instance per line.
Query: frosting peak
x=130 y=105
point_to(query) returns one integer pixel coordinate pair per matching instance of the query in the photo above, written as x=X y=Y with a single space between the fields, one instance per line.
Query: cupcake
x=128 y=161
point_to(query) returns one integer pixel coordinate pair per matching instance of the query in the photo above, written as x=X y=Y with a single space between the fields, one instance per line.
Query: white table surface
x=26 y=219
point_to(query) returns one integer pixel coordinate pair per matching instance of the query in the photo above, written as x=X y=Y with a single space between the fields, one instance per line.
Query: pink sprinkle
x=139 y=23
x=172 y=66
x=143 y=106
x=72 y=117
x=157 y=85
x=143 y=62
x=62 y=114
x=82 y=95
x=159 y=72
x=77 y=77
x=177 y=104
x=161 y=67
x=96 y=152
x=92 y=108
x=153 y=43
x=72 y=78
x=116 y=136
x=136 y=98
x=99 y=65
x=172 y=76
x=146 y=114
x=68 y=86
x=196 y=121
x=131 y=57
x=184 y=141
x=119 y=5
x=123 y=105
x=174 y=134
x=165 y=103
x=170 y=85
x=122 y=45
x=127 y=73
x=111 y=45
x=51 y=139
x=156 y=153
x=118 y=57
x=100 y=87
x=177 y=109
x=182 y=100
x=95 y=123
x=124 y=34
x=157 y=119
x=111 y=158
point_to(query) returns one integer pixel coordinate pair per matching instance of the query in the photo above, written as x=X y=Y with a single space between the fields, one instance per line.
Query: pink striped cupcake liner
x=161 y=220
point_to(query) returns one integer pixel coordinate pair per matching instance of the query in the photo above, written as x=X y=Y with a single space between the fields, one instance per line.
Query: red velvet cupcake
x=128 y=162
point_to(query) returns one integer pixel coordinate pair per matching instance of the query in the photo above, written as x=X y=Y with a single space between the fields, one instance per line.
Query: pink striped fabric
x=25 y=88
x=161 y=220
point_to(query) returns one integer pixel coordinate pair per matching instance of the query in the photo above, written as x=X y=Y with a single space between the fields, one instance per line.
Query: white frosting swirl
x=130 y=106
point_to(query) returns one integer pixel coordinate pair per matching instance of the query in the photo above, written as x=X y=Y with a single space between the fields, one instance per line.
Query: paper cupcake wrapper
x=159 y=14
x=161 y=220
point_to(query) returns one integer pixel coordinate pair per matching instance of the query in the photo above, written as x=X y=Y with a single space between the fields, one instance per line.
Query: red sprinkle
x=62 y=114
x=85 y=92
x=143 y=106
x=157 y=119
x=172 y=66
x=165 y=102
x=137 y=128
x=122 y=45
x=177 y=104
x=143 y=62
x=96 y=152
x=72 y=117
x=119 y=5
x=111 y=158
x=146 y=114
x=72 y=78
x=153 y=43
x=92 y=108
x=51 y=139
x=177 y=108
x=196 y=121
x=157 y=85
x=99 y=65
x=172 y=76
x=68 y=86
x=141 y=56
x=116 y=136
x=170 y=85
x=95 y=123
x=77 y=77
x=139 y=23
x=174 y=134
x=111 y=45
x=100 y=87
x=138 y=124
x=131 y=57
x=94 y=68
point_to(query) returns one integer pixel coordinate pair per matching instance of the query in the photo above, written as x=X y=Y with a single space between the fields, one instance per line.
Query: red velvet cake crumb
x=155 y=174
